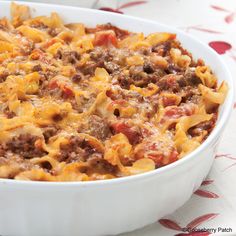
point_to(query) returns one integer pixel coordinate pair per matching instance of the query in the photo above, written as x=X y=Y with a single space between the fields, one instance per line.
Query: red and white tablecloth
x=212 y=208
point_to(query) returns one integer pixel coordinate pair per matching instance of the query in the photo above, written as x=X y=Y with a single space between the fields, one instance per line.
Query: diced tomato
x=105 y=38
x=162 y=154
x=113 y=104
x=173 y=156
x=168 y=101
x=67 y=91
x=112 y=95
x=132 y=133
x=146 y=132
x=158 y=159
x=119 y=127
x=178 y=112
x=109 y=93
x=171 y=80
x=51 y=42
x=175 y=112
x=120 y=102
x=38 y=54
x=120 y=33
x=161 y=160
x=53 y=84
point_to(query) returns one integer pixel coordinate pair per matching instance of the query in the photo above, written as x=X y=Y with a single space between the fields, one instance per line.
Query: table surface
x=213 y=206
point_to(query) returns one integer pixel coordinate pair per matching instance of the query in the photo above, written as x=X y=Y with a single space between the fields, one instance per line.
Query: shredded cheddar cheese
x=81 y=104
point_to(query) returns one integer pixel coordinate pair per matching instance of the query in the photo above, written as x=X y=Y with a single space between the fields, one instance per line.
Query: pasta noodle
x=81 y=104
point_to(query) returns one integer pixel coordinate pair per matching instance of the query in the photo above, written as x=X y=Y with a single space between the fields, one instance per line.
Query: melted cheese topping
x=79 y=104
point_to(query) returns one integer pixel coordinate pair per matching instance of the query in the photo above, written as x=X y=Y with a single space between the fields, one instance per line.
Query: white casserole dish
x=111 y=206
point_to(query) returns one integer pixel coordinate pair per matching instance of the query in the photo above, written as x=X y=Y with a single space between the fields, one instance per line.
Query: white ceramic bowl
x=119 y=205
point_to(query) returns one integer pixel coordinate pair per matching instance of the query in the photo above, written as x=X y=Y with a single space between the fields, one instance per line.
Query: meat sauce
x=100 y=97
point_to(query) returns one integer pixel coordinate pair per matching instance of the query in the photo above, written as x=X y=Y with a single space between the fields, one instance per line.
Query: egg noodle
x=80 y=103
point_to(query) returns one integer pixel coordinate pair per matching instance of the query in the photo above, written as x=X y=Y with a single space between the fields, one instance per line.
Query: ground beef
x=156 y=76
x=190 y=94
x=49 y=132
x=99 y=58
x=145 y=51
x=53 y=31
x=26 y=48
x=148 y=68
x=78 y=149
x=98 y=127
x=90 y=67
x=99 y=53
x=124 y=81
x=111 y=67
x=123 y=94
x=100 y=165
x=17 y=161
x=68 y=56
x=24 y=145
x=162 y=49
x=3 y=76
x=2 y=150
x=103 y=58
x=9 y=114
x=46 y=165
x=37 y=68
x=191 y=78
x=169 y=82
x=138 y=76
x=173 y=69
x=203 y=126
x=77 y=77
x=182 y=81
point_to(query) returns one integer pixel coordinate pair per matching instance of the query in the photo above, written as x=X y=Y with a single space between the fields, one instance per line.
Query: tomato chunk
x=161 y=160
x=169 y=101
x=132 y=133
x=173 y=156
x=66 y=90
x=175 y=112
x=161 y=150
x=53 y=84
x=157 y=158
x=105 y=38
x=38 y=54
